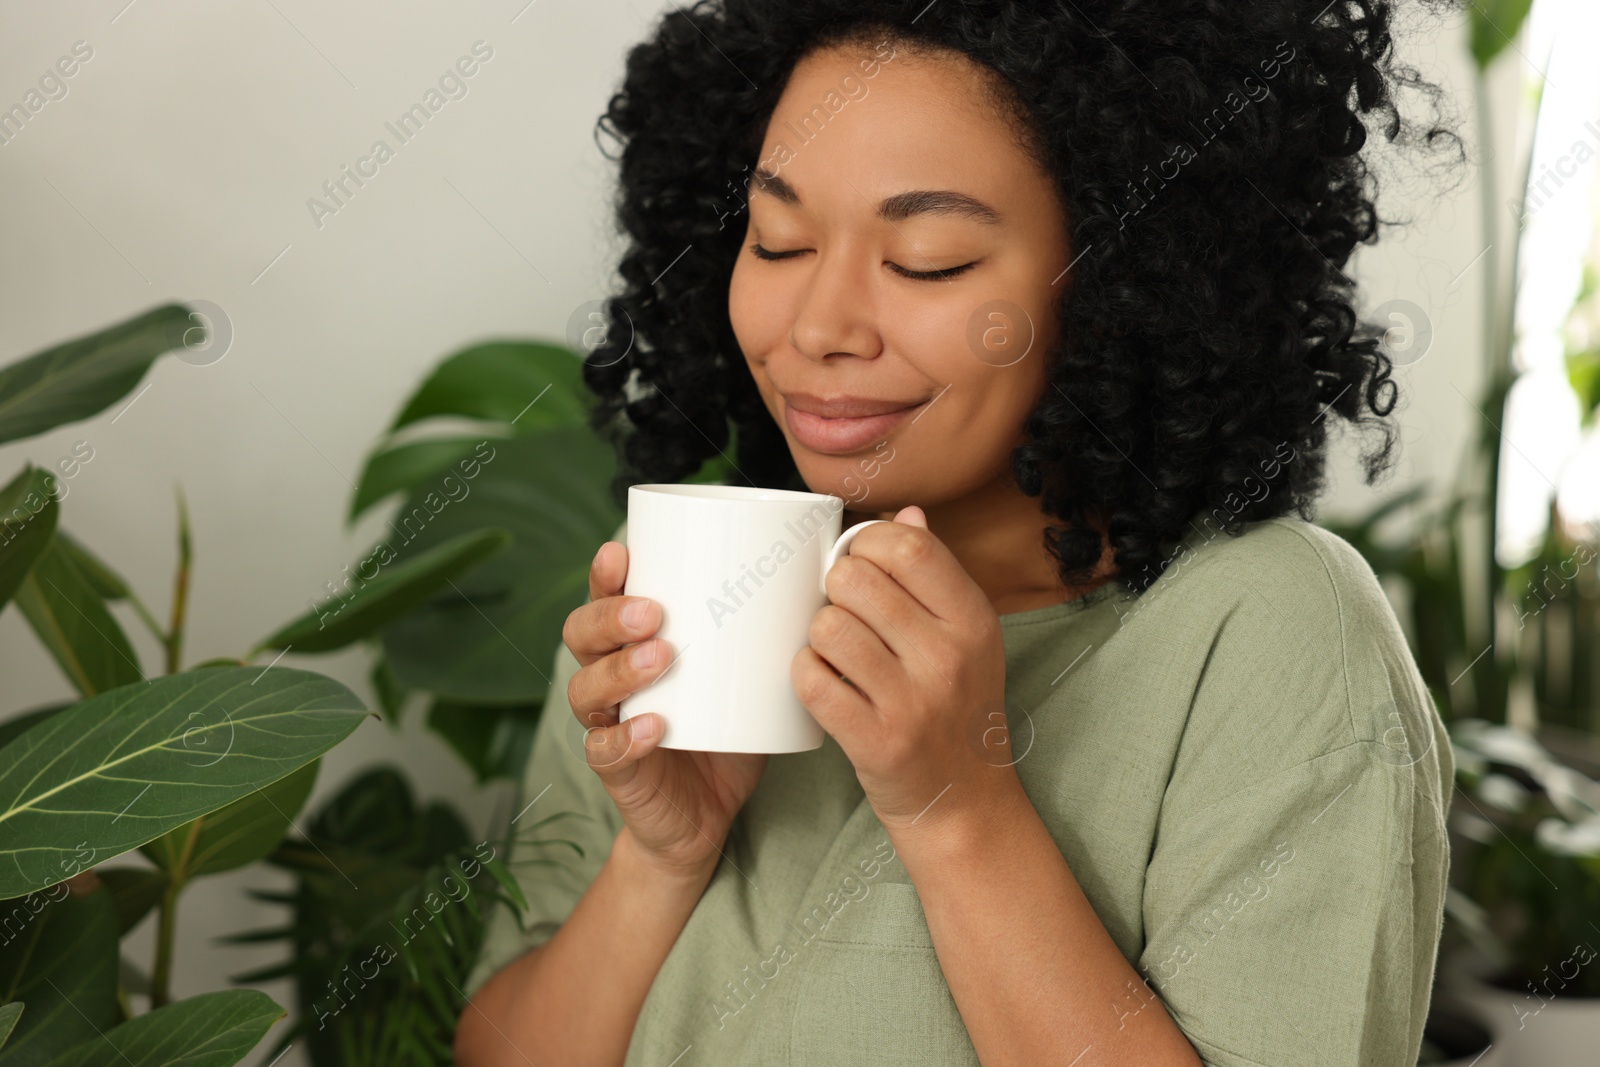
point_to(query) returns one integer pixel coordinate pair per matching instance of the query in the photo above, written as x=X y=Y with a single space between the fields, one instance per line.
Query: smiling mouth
x=841 y=436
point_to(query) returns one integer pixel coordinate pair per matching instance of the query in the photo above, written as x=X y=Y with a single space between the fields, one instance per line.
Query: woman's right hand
x=677 y=804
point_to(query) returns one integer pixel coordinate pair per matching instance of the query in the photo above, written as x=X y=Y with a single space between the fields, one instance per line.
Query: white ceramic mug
x=738 y=573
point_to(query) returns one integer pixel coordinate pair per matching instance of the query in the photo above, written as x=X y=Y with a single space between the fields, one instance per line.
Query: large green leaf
x=490 y=639
x=403 y=466
x=28 y=516
x=62 y=963
x=102 y=578
x=395 y=589
x=537 y=385
x=8 y=1020
x=1495 y=24
x=78 y=379
x=14 y=728
x=72 y=621
x=240 y=833
x=127 y=766
x=211 y=1030
x=494 y=740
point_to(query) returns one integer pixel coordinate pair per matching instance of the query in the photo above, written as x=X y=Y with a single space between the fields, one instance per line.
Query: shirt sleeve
x=1294 y=895
x=1296 y=922
x=552 y=876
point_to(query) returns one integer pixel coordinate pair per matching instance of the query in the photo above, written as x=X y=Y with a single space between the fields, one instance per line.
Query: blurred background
x=246 y=347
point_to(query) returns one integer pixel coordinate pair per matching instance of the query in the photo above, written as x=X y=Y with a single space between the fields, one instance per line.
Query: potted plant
x=1534 y=870
x=198 y=770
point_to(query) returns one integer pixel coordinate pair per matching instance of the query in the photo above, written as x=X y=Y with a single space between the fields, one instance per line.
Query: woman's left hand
x=922 y=715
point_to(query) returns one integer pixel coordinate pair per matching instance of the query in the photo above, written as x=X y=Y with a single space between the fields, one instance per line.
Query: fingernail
x=642 y=728
x=633 y=614
x=643 y=655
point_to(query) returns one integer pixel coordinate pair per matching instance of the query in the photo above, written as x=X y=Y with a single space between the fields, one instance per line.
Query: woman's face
x=894 y=389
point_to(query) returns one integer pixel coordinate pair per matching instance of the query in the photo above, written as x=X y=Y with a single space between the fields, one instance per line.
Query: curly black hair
x=1208 y=158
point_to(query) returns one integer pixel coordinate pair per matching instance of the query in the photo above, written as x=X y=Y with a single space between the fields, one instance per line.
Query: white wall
x=178 y=167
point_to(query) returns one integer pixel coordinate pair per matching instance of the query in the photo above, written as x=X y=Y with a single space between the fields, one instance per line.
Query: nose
x=835 y=314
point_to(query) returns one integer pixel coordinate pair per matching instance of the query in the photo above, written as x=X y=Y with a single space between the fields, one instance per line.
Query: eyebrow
x=901 y=206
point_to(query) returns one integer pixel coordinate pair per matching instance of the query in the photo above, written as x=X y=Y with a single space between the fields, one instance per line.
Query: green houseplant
x=200 y=769
x=1535 y=869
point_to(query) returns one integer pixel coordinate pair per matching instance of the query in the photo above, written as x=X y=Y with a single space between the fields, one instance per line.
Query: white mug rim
x=732 y=494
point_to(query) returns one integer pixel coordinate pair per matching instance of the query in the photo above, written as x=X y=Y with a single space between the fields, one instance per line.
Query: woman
x=1058 y=288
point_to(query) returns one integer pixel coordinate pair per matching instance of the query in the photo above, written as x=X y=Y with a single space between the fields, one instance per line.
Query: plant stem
x=180 y=591
x=148 y=616
x=177 y=877
x=161 y=974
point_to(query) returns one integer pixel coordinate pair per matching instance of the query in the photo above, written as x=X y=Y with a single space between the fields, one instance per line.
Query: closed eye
x=762 y=253
x=931 y=275
x=915 y=275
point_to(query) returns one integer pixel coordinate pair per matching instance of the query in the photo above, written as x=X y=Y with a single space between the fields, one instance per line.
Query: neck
x=997 y=535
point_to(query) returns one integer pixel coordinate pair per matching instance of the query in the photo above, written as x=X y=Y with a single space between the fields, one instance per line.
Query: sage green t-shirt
x=1242 y=768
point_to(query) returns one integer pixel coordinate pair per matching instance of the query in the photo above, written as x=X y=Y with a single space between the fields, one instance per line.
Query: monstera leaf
x=511 y=387
x=395 y=588
x=489 y=638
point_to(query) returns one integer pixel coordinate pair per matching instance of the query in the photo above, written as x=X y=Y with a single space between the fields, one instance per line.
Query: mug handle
x=840 y=547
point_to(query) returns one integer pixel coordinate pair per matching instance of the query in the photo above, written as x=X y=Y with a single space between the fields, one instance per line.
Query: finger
x=611 y=679
x=922 y=564
x=830 y=700
x=912 y=515
x=851 y=648
x=614 y=751
x=894 y=616
x=602 y=626
x=608 y=570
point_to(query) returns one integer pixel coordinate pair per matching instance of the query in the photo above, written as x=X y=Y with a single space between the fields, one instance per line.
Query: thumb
x=912 y=515
x=614 y=751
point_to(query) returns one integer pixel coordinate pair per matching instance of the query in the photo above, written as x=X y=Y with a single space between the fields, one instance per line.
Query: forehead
x=912 y=119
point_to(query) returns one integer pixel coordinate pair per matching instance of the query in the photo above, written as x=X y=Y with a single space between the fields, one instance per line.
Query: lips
x=843 y=425
x=846 y=407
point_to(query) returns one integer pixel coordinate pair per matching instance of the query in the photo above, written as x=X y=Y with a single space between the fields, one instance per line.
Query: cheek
x=754 y=312
x=967 y=437
x=752 y=322
x=943 y=340
x=739 y=305
x=744 y=316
